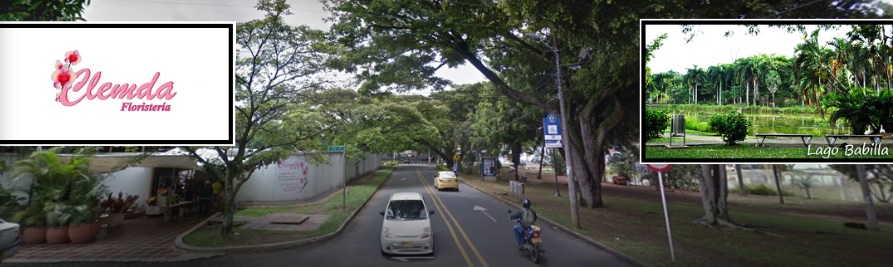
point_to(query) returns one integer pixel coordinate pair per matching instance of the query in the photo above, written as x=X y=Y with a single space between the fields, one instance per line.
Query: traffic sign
x=659 y=167
x=336 y=148
x=456 y=157
x=553 y=143
x=552 y=127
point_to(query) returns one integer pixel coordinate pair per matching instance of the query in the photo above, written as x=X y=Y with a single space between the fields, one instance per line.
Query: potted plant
x=86 y=209
x=118 y=207
x=58 y=217
x=34 y=222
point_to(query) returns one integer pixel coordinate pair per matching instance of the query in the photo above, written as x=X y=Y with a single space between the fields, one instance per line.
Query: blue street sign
x=552 y=125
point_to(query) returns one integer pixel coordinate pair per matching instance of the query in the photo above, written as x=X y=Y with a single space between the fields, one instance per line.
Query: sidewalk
x=135 y=240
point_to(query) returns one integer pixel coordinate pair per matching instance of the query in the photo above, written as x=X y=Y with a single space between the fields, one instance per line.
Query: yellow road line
x=440 y=210
x=456 y=222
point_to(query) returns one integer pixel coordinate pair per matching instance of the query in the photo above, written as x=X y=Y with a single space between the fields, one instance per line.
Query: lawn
x=633 y=224
x=742 y=151
x=358 y=193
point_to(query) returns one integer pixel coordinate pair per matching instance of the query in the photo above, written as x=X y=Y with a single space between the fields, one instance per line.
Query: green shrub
x=731 y=126
x=656 y=121
x=693 y=123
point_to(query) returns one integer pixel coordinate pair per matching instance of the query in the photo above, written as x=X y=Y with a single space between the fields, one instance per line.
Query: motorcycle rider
x=528 y=217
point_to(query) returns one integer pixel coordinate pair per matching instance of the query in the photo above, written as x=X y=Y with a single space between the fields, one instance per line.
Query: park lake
x=765 y=122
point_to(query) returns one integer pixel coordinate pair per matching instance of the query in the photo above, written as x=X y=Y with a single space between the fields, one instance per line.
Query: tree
x=271 y=84
x=42 y=10
x=398 y=45
x=879 y=178
x=805 y=182
x=714 y=195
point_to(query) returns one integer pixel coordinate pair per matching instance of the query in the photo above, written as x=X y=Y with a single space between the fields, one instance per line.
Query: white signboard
x=291 y=175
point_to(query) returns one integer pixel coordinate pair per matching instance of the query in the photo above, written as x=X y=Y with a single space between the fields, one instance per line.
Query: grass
x=744 y=151
x=358 y=193
x=634 y=225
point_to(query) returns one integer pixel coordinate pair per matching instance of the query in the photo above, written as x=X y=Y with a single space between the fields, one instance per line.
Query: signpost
x=552 y=130
x=660 y=169
x=552 y=137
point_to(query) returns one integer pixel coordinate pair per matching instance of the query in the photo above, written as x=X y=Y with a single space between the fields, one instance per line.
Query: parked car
x=406 y=228
x=9 y=239
x=446 y=180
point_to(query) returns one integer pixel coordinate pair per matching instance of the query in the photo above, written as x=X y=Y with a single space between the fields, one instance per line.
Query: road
x=464 y=236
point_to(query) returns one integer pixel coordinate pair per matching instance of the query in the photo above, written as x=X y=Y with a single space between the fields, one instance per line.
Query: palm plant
x=851 y=107
x=57 y=186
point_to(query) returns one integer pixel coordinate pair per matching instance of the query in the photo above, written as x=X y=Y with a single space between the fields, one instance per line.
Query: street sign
x=336 y=148
x=553 y=143
x=659 y=167
x=552 y=127
x=456 y=157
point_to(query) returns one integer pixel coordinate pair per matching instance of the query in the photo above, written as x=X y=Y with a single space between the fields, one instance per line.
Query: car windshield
x=404 y=210
x=448 y=175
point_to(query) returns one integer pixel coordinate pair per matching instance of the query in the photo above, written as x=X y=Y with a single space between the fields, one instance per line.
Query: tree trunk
x=870 y=212
x=229 y=208
x=539 y=174
x=741 y=189
x=777 y=184
x=516 y=159
x=714 y=195
x=747 y=94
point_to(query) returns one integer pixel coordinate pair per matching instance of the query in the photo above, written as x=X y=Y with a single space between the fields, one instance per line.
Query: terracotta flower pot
x=82 y=233
x=34 y=235
x=57 y=235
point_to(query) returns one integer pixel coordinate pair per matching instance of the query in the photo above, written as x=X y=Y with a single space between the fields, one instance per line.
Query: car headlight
x=387 y=233
x=425 y=233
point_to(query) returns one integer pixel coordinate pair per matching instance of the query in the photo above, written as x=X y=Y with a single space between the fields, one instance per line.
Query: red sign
x=659 y=167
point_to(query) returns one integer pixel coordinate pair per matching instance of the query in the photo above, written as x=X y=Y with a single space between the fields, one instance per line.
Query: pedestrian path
x=136 y=240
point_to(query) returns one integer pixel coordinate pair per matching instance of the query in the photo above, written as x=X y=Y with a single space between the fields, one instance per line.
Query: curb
x=272 y=246
x=569 y=231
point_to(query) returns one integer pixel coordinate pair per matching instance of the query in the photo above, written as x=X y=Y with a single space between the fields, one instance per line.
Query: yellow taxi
x=446 y=180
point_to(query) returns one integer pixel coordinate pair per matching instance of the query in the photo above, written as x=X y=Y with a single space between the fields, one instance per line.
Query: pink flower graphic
x=63 y=76
x=73 y=57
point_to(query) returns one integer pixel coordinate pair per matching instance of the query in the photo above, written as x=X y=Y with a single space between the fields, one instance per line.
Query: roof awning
x=105 y=163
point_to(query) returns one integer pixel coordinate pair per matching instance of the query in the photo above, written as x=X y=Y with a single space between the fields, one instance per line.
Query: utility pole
x=571 y=182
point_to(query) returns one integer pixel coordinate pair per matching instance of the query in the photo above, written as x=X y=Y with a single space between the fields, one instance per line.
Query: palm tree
x=715 y=74
x=693 y=77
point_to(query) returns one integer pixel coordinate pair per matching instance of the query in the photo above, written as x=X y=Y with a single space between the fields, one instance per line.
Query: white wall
x=288 y=182
x=293 y=180
x=131 y=181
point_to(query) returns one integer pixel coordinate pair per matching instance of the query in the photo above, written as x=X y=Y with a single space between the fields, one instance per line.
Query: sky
x=306 y=12
x=710 y=47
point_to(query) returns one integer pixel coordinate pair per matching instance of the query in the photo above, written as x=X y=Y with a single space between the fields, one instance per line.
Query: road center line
x=456 y=222
x=440 y=210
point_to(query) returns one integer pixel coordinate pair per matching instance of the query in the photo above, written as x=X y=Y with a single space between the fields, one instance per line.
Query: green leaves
x=733 y=126
x=42 y=10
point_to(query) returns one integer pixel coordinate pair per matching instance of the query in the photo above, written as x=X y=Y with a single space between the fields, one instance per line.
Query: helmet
x=525 y=203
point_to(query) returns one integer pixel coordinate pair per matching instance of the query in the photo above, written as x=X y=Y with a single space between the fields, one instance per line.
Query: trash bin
x=677 y=125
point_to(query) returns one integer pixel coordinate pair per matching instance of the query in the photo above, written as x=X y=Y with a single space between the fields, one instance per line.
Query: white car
x=9 y=239
x=406 y=228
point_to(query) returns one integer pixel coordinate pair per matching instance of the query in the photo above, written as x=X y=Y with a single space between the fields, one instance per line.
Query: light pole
x=565 y=141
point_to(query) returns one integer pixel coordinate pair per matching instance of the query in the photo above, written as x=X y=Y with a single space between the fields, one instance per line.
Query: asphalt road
x=463 y=236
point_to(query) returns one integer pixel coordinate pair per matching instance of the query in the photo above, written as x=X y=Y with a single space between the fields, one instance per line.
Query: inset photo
x=748 y=91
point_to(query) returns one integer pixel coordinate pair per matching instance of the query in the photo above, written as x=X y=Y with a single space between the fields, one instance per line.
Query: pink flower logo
x=63 y=76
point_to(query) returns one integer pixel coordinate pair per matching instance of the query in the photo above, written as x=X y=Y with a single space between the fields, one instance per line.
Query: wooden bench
x=806 y=138
x=832 y=138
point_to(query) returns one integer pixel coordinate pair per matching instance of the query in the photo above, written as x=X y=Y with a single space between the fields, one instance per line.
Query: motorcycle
x=532 y=244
